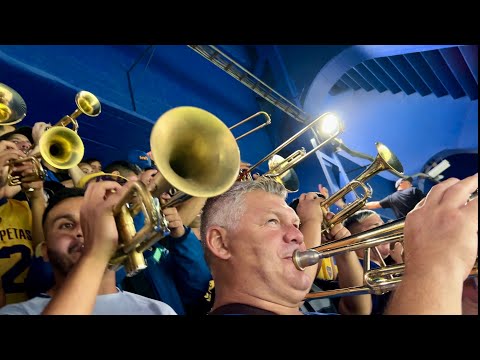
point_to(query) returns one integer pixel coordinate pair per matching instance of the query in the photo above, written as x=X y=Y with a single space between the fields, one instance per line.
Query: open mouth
x=78 y=247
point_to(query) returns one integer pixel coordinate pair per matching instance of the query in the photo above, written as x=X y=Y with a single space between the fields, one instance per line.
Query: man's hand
x=147 y=177
x=37 y=131
x=338 y=231
x=97 y=219
x=441 y=232
x=309 y=208
x=323 y=190
x=397 y=253
x=175 y=223
x=8 y=152
x=245 y=166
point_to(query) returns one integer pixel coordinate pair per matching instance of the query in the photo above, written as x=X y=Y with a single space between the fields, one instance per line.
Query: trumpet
x=385 y=160
x=60 y=146
x=280 y=169
x=190 y=163
x=377 y=281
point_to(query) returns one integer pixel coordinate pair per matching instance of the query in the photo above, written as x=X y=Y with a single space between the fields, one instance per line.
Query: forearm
x=427 y=293
x=78 y=293
x=350 y=274
x=76 y=174
x=189 y=209
x=372 y=205
x=312 y=236
x=37 y=205
x=9 y=192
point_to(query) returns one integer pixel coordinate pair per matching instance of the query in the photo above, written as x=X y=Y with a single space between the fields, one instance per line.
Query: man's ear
x=216 y=241
x=43 y=251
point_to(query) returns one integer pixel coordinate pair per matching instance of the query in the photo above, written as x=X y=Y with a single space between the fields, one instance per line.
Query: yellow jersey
x=327 y=270
x=15 y=247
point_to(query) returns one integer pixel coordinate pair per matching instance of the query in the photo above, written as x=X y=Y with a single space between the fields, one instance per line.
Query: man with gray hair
x=250 y=234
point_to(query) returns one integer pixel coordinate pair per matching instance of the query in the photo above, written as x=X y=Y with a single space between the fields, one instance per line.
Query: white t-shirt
x=119 y=303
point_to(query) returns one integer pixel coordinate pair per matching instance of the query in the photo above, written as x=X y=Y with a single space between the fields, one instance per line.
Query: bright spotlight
x=329 y=125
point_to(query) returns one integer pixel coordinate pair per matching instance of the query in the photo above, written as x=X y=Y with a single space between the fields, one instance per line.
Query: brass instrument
x=385 y=160
x=60 y=146
x=281 y=169
x=377 y=281
x=12 y=106
x=267 y=122
x=196 y=154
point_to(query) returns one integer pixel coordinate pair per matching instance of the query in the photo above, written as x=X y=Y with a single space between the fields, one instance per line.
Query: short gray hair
x=358 y=218
x=226 y=209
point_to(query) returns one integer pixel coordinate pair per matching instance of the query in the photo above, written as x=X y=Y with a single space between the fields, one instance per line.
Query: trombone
x=12 y=106
x=377 y=281
x=60 y=146
x=279 y=168
x=267 y=122
x=385 y=160
x=190 y=163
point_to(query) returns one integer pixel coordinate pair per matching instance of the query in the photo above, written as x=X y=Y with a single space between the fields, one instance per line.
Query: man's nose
x=293 y=234
x=24 y=145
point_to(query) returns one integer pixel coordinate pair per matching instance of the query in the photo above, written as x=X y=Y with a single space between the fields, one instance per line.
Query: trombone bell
x=61 y=147
x=195 y=152
x=288 y=179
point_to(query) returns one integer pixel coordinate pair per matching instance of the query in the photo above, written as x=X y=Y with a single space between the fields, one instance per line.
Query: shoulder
x=33 y=306
x=18 y=204
x=157 y=306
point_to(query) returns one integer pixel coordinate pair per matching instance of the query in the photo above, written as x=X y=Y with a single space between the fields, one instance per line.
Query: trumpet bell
x=288 y=179
x=195 y=151
x=389 y=159
x=12 y=106
x=61 y=147
x=88 y=103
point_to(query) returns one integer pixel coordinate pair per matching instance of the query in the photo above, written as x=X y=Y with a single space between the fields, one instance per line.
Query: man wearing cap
x=402 y=201
x=139 y=158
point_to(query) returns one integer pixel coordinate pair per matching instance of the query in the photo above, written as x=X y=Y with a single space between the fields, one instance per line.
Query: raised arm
x=440 y=248
x=77 y=295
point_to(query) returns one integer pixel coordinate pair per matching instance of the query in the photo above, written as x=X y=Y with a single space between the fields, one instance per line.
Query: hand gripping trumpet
x=195 y=153
x=377 y=281
x=385 y=160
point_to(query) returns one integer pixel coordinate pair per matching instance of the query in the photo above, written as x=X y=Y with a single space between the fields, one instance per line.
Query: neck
x=232 y=296
x=107 y=286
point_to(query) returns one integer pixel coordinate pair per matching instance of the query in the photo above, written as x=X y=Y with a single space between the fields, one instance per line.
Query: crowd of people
x=228 y=254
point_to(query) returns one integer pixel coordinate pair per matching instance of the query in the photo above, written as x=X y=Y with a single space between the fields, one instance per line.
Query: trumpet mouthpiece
x=303 y=259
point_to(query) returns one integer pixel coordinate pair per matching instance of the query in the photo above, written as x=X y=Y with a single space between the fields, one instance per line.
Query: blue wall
x=408 y=125
x=48 y=77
